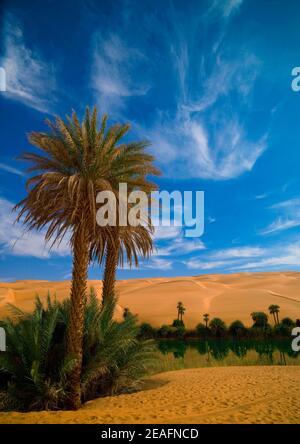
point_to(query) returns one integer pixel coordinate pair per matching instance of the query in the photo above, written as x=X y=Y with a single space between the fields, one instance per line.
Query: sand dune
x=204 y=395
x=230 y=297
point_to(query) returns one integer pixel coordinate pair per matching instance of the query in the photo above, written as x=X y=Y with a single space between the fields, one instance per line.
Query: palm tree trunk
x=277 y=318
x=111 y=264
x=274 y=316
x=76 y=321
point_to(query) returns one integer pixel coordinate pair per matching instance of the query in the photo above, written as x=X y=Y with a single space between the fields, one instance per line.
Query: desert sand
x=204 y=395
x=231 y=296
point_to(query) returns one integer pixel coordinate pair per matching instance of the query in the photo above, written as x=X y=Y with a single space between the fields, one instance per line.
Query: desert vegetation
x=75 y=161
x=35 y=367
x=216 y=328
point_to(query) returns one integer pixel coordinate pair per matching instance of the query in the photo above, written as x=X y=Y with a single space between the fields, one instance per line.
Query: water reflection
x=228 y=353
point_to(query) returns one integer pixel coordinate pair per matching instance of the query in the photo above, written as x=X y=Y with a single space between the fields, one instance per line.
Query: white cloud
x=223 y=258
x=113 y=68
x=290 y=205
x=230 y=6
x=199 y=137
x=14 y=240
x=180 y=247
x=241 y=252
x=209 y=139
x=280 y=225
x=11 y=170
x=29 y=78
x=166 y=232
x=289 y=216
x=227 y=76
x=225 y=8
x=237 y=259
x=288 y=255
x=208 y=154
x=261 y=196
x=159 y=264
x=197 y=264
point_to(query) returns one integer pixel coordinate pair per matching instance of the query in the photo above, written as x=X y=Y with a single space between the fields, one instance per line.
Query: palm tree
x=206 y=319
x=179 y=308
x=274 y=310
x=218 y=327
x=181 y=311
x=129 y=164
x=33 y=370
x=260 y=319
x=123 y=243
x=77 y=162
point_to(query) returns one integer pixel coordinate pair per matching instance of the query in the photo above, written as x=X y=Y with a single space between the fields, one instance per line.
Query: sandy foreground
x=231 y=297
x=204 y=395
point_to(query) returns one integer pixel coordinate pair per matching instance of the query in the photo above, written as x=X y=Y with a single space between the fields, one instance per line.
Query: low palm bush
x=237 y=329
x=218 y=327
x=34 y=370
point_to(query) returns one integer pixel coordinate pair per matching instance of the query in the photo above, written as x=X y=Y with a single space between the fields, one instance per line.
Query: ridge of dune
x=230 y=296
x=203 y=395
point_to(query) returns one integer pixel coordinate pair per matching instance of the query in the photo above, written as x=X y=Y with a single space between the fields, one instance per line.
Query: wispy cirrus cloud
x=16 y=241
x=209 y=138
x=239 y=252
x=30 y=79
x=12 y=170
x=261 y=196
x=288 y=216
x=223 y=258
x=248 y=258
x=159 y=264
x=206 y=132
x=180 y=246
x=224 y=7
x=280 y=224
x=113 y=69
x=198 y=264
x=281 y=256
x=216 y=143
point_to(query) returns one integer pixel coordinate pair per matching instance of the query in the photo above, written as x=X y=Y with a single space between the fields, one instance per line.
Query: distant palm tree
x=218 y=327
x=181 y=312
x=179 y=307
x=206 y=319
x=126 y=312
x=260 y=319
x=274 y=310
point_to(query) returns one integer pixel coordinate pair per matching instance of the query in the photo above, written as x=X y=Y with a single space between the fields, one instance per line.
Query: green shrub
x=237 y=329
x=177 y=323
x=218 y=327
x=166 y=331
x=260 y=319
x=34 y=367
x=282 y=330
x=146 y=331
x=35 y=376
x=202 y=330
x=288 y=322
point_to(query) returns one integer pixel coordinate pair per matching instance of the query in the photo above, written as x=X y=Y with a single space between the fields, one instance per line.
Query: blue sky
x=207 y=82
